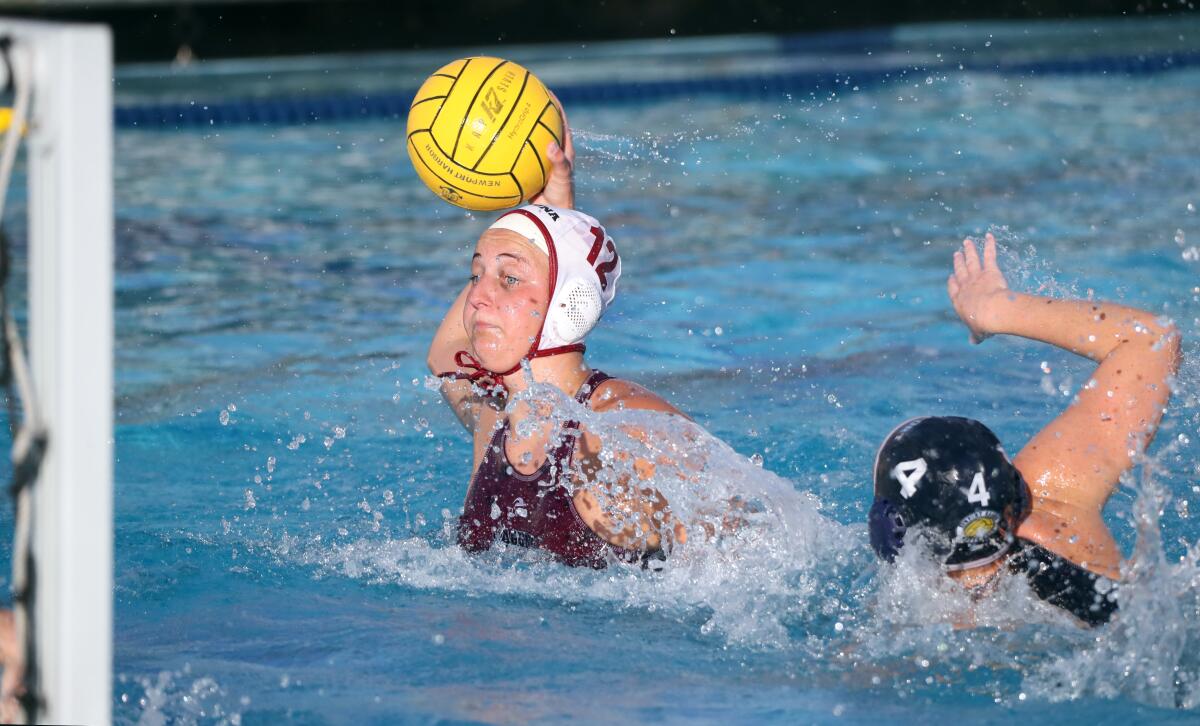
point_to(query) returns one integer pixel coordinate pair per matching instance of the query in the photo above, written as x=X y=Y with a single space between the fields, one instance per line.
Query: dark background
x=147 y=31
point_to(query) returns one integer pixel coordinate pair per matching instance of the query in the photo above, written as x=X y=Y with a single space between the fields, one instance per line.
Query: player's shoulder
x=618 y=393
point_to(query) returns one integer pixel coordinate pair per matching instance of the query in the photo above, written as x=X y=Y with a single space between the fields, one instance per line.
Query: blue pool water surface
x=285 y=477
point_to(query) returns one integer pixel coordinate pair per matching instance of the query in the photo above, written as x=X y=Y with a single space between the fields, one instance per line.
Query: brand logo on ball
x=492 y=105
x=979 y=525
x=451 y=195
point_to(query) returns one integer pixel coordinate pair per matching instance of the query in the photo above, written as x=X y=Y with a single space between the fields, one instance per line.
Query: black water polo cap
x=949 y=475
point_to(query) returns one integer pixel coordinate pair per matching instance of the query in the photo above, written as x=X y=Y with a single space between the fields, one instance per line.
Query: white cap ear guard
x=584 y=269
x=576 y=309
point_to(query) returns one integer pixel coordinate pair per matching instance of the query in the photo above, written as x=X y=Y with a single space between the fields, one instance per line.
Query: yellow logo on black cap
x=979 y=525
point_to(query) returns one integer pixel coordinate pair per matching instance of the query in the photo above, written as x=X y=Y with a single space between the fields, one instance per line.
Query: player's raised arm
x=1075 y=462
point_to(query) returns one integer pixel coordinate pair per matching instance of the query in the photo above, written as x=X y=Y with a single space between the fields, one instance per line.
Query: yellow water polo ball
x=478 y=130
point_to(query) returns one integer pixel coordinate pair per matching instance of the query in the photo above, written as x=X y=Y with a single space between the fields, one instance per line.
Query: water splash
x=661 y=148
x=1025 y=269
x=1151 y=652
x=174 y=697
x=781 y=575
x=756 y=558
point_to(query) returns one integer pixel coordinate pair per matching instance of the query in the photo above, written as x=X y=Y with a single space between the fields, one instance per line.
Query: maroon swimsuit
x=534 y=510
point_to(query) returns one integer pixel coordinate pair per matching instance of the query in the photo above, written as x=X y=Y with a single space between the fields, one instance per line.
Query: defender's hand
x=976 y=288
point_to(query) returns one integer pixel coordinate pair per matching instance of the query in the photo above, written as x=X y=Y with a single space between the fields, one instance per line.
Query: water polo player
x=949 y=481
x=541 y=278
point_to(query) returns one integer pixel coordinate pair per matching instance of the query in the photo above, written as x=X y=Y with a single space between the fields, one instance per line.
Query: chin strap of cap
x=492 y=382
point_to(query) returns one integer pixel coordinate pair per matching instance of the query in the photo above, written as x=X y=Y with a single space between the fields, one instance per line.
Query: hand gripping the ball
x=560 y=186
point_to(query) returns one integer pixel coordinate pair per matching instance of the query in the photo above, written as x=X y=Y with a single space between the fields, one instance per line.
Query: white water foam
x=1151 y=652
x=745 y=580
x=176 y=697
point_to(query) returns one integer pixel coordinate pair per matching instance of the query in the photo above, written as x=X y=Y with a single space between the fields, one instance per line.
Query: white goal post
x=69 y=152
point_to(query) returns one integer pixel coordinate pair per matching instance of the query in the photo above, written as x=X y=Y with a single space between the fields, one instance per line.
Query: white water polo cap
x=584 y=269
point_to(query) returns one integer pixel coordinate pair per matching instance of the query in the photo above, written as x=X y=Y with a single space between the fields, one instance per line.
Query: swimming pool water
x=284 y=476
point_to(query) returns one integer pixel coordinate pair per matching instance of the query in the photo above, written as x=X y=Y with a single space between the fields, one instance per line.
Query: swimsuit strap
x=566 y=447
x=584 y=394
x=590 y=385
